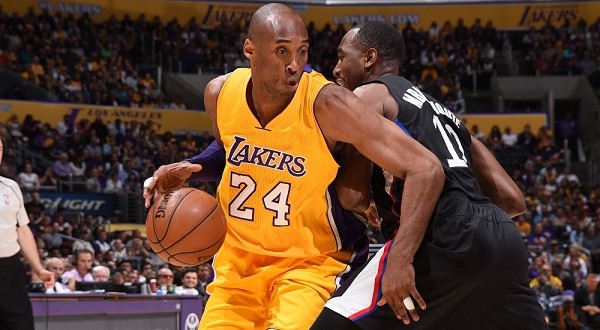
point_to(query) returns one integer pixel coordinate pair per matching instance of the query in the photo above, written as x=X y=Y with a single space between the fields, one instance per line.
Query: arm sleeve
x=22 y=216
x=212 y=160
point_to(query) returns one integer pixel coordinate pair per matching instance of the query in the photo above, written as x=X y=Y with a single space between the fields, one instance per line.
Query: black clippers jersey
x=440 y=131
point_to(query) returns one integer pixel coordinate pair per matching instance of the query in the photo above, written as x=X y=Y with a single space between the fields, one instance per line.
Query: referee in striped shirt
x=15 y=235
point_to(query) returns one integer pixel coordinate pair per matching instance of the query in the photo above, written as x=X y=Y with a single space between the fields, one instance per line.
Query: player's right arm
x=174 y=175
x=495 y=183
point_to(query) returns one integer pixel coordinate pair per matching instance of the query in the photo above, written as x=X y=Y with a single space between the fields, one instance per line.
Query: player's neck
x=382 y=70
x=265 y=107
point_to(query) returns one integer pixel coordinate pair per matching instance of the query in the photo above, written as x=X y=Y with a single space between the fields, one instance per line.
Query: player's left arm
x=495 y=183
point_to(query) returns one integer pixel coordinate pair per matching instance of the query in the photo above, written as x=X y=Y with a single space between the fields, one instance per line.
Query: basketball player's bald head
x=267 y=19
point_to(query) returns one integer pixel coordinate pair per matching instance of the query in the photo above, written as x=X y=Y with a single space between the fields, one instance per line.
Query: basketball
x=185 y=226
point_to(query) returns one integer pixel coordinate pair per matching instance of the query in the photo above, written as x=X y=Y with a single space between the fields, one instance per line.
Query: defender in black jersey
x=469 y=263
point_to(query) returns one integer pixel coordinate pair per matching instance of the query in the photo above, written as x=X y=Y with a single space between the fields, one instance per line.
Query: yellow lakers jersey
x=274 y=187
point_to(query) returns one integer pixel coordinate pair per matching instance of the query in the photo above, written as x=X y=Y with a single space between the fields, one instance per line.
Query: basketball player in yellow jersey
x=279 y=127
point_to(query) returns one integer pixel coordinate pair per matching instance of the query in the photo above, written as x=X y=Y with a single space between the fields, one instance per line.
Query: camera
x=36 y=287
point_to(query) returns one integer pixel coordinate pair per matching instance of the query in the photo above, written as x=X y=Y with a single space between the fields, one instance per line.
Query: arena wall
x=505 y=15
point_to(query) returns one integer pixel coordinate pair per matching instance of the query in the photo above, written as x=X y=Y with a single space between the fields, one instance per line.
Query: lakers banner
x=508 y=15
x=516 y=122
x=176 y=121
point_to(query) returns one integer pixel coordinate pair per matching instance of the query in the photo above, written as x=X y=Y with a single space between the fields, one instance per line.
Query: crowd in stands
x=87 y=61
x=79 y=60
x=92 y=62
x=98 y=62
x=571 y=48
x=559 y=227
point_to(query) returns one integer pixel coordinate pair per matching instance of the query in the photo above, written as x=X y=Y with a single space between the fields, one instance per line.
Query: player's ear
x=248 y=48
x=371 y=57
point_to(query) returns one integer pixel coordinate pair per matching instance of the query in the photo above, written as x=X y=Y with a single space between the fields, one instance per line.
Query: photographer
x=567 y=316
x=587 y=298
x=547 y=292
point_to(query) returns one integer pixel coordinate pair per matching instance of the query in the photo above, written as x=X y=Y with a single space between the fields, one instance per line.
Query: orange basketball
x=185 y=226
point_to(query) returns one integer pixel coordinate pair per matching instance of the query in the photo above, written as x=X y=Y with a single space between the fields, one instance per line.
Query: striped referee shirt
x=12 y=215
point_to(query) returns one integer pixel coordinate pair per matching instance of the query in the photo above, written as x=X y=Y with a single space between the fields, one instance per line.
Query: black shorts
x=15 y=307
x=471 y=270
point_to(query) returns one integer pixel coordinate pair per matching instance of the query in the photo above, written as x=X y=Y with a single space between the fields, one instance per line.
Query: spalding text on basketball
x=160 y=210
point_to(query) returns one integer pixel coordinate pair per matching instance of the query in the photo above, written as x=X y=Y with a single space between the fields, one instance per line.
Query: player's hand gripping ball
x=185 y=226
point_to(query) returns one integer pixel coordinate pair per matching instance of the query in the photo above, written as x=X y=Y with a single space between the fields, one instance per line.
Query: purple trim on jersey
x=361 y=247
x=308 y=69
x=212 y=160
x=348 y=226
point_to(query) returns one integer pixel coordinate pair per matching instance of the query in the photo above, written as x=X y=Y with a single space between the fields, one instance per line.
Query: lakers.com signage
x=94 y=204
x=508 y=15
x=162 y=120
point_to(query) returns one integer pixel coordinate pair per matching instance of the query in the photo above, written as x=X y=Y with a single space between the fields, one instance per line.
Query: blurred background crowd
x=103 y=62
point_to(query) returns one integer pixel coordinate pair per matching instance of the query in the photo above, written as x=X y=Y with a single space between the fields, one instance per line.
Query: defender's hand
x=398 y=290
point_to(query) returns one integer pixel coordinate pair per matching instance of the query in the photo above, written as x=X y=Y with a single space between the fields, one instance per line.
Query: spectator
x=100 y=273
x=148 y=271
x=568 y=316
x=14 y=127
x=165 y=280
x=120 y=249
x=494 y=139
x=567 y=175
x=48 y=181
x=591 y=242
x=78 y=167
x=56 y=266
x=177 y=104
x=93 y=183
x=28 y=180
x=100 y=244
x=575 y=262
x=118 y=278
x=114 y=184
x=136 y=249
x=83 y=242
x=539 y=239
x=568 y=129
x=544 y=138
x=65 y=127
x=189 y=281
x=125 y=267
x=526 y=139
x=62 y=168
x=53 y=239
x=477 y=133
x=204 y=277
x=509 y=139
x=35 y=208
x=587 y=298
x=81 y=272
